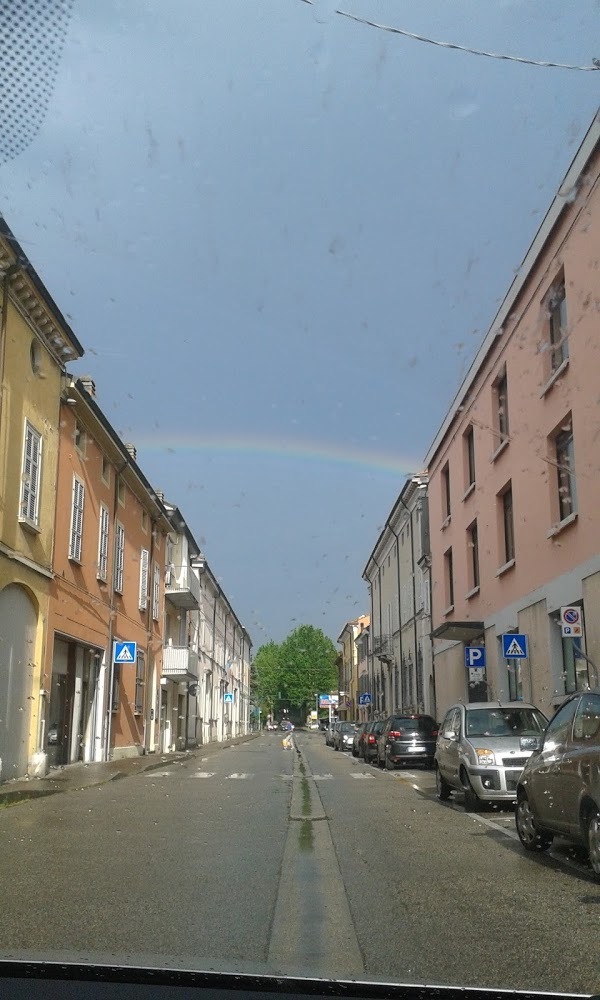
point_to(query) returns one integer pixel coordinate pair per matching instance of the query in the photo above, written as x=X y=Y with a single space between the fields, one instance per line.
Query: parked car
x=559 y=789
x=407 y=738
x=370 y=742
x=343 y=735
x=358 y=737
x=329 y=734
x=480 y=750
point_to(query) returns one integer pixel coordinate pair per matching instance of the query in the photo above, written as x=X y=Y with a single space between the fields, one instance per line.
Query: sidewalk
x=76 y=777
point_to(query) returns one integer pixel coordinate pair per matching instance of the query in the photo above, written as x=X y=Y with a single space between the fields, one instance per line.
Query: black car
x=407 y=738
x=369 y=745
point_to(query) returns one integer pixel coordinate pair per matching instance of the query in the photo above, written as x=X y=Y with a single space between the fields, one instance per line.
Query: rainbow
x=372 y=458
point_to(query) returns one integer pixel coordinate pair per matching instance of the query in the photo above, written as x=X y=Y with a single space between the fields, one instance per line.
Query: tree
x=307 y=664
x=265 y=676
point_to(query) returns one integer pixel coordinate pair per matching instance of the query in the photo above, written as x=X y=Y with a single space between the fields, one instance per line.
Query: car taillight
x=434 y=732
x=395 y=734
x=371 y=738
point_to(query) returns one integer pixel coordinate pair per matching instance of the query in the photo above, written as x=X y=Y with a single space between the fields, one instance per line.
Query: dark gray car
x=559 y=789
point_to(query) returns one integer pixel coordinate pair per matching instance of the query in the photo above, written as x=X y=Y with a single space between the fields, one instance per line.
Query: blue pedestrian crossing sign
x=474 y=656
x=364 y=699
x=514 y=646
x=125 y=652
x=228 y=697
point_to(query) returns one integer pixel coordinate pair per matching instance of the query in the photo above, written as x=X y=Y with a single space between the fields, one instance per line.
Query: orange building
x=108 y=586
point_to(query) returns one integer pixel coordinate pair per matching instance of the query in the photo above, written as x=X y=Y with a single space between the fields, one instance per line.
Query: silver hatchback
x=482 y=749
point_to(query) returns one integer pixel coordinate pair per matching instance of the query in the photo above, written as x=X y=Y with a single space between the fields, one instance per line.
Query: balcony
x=182 y=588
x=180 y=663
x=382 y=648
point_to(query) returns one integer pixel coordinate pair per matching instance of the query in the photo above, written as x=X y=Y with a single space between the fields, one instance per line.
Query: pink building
x=514 y=471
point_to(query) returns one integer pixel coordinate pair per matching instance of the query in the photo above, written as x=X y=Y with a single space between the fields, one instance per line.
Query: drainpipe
x=397 y=537
x=111 y=607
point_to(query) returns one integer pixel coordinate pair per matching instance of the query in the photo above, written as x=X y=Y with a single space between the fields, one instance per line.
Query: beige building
x=397 y=575
x=514 y=490
x=347 y=663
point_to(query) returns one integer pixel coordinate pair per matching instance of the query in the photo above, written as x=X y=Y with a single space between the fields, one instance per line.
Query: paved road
x=261 y=859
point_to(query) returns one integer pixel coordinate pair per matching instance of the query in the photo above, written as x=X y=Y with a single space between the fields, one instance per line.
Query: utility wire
x=595 y=65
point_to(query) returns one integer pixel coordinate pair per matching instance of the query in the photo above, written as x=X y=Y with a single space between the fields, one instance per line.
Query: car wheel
x=529 y=835
x=593 y=840
x=442 y=787
x=472 y=800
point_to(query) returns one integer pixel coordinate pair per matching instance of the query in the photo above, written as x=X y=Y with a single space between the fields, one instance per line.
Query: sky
x=280 y=236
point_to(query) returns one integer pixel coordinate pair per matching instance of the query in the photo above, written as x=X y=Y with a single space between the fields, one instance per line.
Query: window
x=116 y=686
x=446 y=507
x=474 y=553
x=586 y=727
x=103 y=543
x=575 y=668
x=143 y=599
x=106 y=470
x=565 y=465
x=79 y=437
x=30 y=475
x=469 y=445
x=508 y=530
x=121 y=492
x=515 y=680
x=119 y=558
x=449 y=578
x=76 y=533
x=559 y=728
x=156 y=592
x=501 y=406
x=139 y=684
x=557 y=313
x=35 y=357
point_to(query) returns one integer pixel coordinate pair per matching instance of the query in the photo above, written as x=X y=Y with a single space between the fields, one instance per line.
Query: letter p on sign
x=474 y=656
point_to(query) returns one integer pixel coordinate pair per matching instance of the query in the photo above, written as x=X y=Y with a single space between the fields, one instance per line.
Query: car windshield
x=505 y=722
x=299 y=419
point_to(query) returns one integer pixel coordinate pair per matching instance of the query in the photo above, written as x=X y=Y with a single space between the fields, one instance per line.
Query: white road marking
x=494 y=826
x=322 y=777
x=158 y=774
x=239 y=776
x=361 y=775
x=203 y=774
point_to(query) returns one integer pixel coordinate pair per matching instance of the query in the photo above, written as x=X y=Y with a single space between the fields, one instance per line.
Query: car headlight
x=484 y=756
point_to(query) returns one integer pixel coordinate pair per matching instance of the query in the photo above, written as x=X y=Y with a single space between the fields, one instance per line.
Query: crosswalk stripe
x=322 y=777
x=236 y=775
x=158 y=774
x=203 y=774
x=361 y=775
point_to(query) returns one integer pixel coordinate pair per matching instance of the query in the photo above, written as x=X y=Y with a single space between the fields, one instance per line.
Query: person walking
x=287 y=739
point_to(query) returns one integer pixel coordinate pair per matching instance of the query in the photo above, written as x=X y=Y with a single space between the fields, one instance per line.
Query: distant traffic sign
x=364 y=699
x=570 y=621
x=125 y=652
x=228 y=697
x=514 y=646
x=474 y=656
x=325 y=700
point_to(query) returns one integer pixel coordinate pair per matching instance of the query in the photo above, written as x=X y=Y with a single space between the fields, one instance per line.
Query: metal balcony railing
x=179 y=663
x=182 y=587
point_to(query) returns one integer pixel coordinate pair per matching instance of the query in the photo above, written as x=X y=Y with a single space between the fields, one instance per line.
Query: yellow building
x=347 y=664
x=35 y=344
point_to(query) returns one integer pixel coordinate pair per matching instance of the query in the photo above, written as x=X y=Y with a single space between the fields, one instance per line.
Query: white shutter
x=156 y=592
x=144 y=556
x=103 y=543
x=76 y=519
x=119 y=558
x=30 y=479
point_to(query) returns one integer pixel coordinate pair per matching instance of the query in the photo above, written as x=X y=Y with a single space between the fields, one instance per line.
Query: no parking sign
x=571 y=624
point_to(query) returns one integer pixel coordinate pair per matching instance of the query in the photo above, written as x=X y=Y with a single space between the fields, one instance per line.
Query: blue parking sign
x=474 y=656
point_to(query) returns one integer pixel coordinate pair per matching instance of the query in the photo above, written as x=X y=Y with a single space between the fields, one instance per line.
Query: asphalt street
x=304 y=861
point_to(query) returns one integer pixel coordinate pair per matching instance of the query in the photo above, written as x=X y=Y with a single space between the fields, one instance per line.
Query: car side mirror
x=532 y=743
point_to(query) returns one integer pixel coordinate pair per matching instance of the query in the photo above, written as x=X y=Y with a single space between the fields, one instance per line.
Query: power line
x=595 y=65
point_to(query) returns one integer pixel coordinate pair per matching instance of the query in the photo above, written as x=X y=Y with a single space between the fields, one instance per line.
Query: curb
x=10 y=797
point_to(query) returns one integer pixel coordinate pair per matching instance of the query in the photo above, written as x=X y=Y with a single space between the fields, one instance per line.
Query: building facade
x=514 y=491
x=397 y=575
x=347 y=664
x=108 y=568
x=35 y=343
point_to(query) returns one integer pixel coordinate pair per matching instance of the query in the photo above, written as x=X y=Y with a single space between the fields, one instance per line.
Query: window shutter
x=76 y=519
x=144 y=555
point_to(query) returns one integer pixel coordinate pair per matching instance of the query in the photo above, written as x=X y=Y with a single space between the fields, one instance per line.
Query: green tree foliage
x=292 y=672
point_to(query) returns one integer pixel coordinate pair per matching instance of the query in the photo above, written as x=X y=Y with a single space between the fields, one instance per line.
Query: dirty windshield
x=505 y=722
x=299 y=436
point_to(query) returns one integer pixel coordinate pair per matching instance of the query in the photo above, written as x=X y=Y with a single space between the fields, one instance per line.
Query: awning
x=458 y=631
